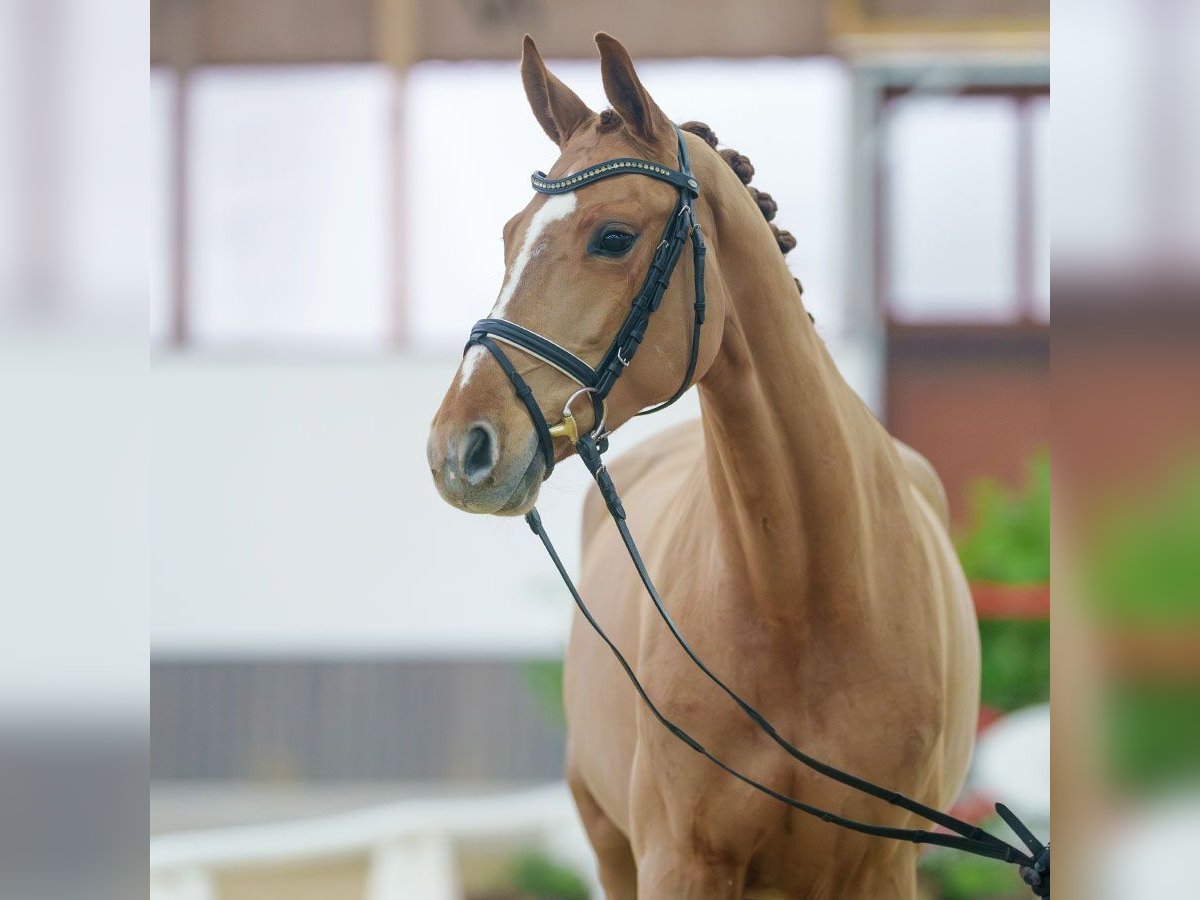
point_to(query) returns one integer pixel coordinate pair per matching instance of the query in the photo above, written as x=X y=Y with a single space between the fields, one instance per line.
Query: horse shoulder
x=925 y=479
x=959 y=630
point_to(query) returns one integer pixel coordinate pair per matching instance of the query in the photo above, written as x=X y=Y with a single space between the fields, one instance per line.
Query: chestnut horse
x=800 y=548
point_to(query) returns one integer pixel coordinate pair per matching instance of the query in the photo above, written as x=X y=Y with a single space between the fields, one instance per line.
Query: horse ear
x=557 y=108
x=627 y=94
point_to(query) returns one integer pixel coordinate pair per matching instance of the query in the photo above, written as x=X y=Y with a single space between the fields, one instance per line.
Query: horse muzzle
x=475 y=472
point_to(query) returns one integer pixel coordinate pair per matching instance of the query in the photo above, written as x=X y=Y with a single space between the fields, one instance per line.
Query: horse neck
x=793 y=454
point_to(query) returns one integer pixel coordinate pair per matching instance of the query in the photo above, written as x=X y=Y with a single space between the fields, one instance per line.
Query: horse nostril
x=479 y=454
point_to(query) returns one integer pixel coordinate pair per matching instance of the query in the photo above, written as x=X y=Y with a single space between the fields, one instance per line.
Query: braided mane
x=744 y=169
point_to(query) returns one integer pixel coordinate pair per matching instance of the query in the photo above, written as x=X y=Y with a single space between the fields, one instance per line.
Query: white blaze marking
x=474 y=355
x=557 y=206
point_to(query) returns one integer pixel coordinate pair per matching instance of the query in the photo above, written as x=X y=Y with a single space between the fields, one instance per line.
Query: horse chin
x=525 y=494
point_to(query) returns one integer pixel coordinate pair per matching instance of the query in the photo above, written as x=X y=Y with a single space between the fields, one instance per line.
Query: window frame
x=179 y=335
x=1029 y=319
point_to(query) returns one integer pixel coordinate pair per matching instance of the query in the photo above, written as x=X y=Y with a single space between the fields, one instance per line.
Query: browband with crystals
x=623 y=166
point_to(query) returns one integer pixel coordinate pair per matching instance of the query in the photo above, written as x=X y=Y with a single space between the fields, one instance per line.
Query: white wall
x=293 y=510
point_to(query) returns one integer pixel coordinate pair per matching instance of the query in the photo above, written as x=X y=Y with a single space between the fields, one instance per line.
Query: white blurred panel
x=72 y=158
x=11 y=113
x=1100 y=157
x=1041 y=207
x=951 y=208
x=102 y=183
x=1186 y=118
x=290 y=196
x=1012 y=760
x=472 y=142
x=161 y=202
x=292 y=511
x=1150 y=850
x=72 y=528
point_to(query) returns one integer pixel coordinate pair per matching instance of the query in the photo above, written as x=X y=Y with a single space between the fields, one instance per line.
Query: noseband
x=598 y=382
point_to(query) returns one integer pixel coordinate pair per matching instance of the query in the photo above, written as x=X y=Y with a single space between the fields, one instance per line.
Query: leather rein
x=597 y=383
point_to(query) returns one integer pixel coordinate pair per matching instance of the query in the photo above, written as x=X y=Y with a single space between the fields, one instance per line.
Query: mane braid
x=744 y=169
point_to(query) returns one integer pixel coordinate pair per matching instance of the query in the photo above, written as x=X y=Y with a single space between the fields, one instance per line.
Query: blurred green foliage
x=955 y=876
x=1015 y=668
x=535 y=877
x=1009 y=538
x=1145 y=563
x=1009 y=543
x=1153 y=733
x=1143 y=574
x=543 y=678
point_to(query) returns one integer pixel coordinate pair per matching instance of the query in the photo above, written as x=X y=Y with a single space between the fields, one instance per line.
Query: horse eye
x=614 y=243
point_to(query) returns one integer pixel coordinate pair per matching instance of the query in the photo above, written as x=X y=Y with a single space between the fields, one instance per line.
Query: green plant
x=1142 y=571
x=956 y=876
x=1015 y=665
x=538 y=878
x=1009 y=540
x=1145 y=563
x=1152 y=733
x=1009 y=543
x=544 y=680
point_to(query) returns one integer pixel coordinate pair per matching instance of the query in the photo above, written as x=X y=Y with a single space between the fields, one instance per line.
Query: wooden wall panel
x=975 y=405
x=957 y=10
x=401 y=31
x=492 y=29
x=1126 y=382
x=263 y=31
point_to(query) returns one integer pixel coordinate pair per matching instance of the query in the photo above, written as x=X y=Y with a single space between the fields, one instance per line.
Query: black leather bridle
x=598 y=382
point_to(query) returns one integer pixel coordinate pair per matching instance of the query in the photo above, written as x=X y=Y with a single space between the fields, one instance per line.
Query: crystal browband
x=544 y=185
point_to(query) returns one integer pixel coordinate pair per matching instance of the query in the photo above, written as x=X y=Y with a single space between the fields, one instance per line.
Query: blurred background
x=328 y=183
x=354 y=687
